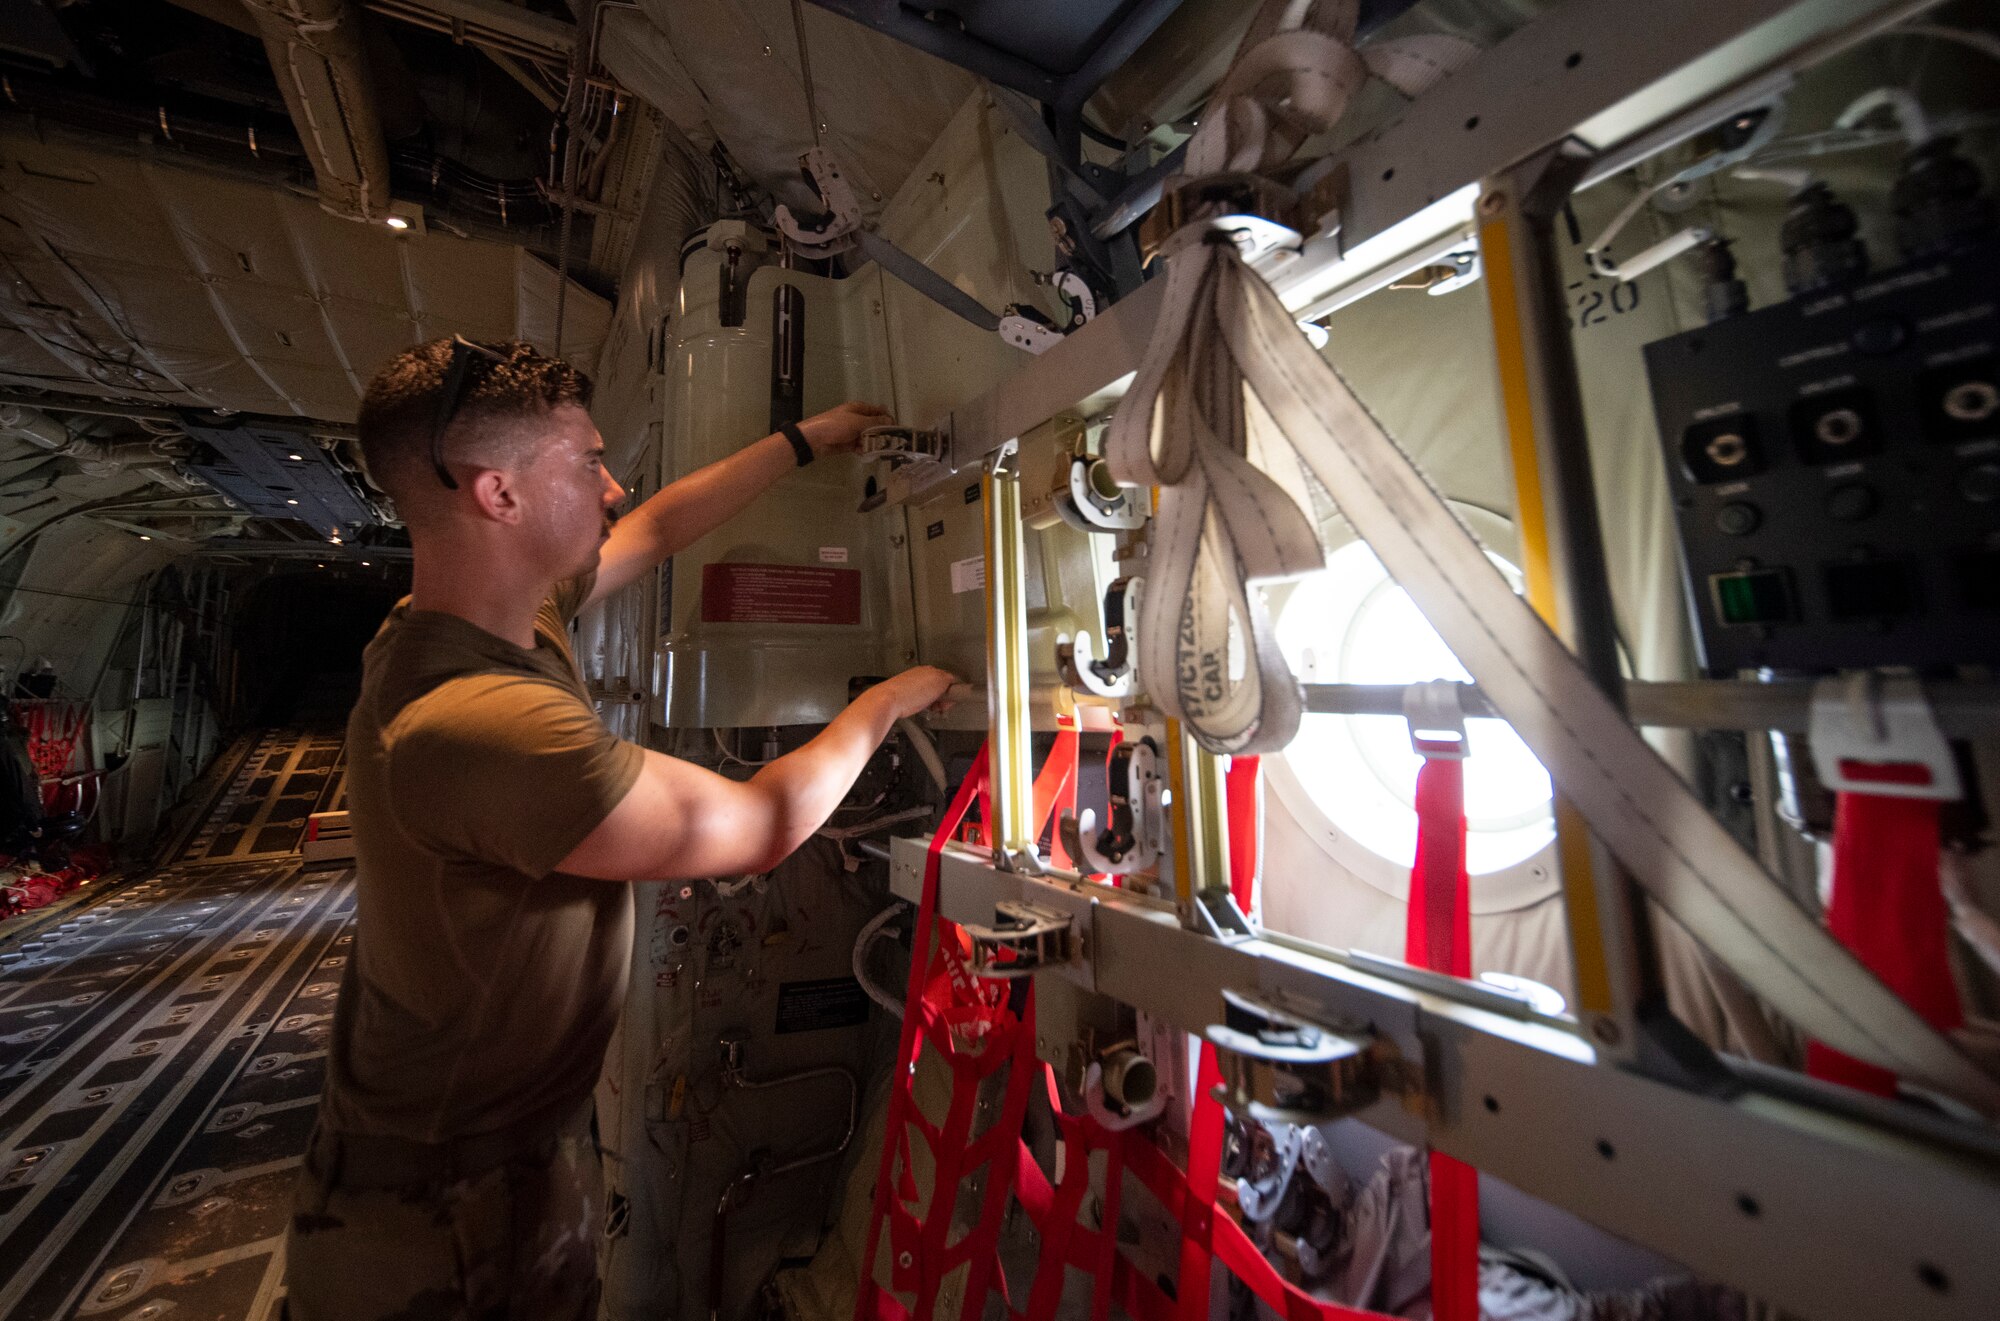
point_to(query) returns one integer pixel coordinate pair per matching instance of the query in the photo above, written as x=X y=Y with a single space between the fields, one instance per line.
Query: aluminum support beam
x=316 y=54
x=1828 y=1205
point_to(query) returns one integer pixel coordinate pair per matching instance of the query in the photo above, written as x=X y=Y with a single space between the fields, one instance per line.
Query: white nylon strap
x=1229 y=408
x=1233 y=504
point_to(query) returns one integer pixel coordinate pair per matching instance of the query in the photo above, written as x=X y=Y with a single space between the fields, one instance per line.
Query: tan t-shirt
x=482 y=985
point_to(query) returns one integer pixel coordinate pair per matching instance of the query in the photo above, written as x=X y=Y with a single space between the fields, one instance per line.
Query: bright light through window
x=1352 y=624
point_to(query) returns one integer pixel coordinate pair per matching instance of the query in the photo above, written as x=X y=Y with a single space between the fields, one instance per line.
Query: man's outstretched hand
x=838 y=430
x=917 y=689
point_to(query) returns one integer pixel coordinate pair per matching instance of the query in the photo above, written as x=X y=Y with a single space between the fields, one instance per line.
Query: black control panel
x=1835 y=467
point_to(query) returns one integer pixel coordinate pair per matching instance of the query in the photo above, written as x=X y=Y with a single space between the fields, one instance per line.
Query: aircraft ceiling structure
x=172 y=261
x=147 y=281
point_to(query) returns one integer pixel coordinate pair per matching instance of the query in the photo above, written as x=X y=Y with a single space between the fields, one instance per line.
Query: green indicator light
x=1762 y=597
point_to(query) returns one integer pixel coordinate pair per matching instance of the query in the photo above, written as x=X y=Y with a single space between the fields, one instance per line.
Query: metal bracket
x=1220 y=917
x=1023 y=939
x=1136 y=833
x=1115 y=676
x=1741 y=136
x=1027 y=329
x=1437 y=721
x=1280 y=1068
x=1876 y=735
x=1076 y=295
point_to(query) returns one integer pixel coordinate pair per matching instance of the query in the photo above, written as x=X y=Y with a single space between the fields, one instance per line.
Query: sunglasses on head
x=458 y=382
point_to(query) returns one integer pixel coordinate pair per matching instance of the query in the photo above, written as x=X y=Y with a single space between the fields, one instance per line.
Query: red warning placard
x=779 y=594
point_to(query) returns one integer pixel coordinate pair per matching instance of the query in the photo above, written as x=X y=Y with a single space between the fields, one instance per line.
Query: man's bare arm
x=680 y=821
x=697 y=504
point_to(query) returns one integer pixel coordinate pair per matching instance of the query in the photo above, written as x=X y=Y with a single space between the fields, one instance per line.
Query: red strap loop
x=1888 y=907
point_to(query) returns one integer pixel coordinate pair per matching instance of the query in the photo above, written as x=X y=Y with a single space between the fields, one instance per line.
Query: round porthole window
x=1355 y=776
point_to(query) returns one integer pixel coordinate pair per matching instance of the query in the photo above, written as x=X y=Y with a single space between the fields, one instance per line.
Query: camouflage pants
x=517 y=1242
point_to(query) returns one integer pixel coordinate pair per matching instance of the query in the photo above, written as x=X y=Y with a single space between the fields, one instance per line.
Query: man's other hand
x=838 y=430
x=680 y=820
x=917 y=689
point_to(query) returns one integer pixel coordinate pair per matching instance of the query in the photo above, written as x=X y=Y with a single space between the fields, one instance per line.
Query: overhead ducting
x=94 y=457
x=316 y=52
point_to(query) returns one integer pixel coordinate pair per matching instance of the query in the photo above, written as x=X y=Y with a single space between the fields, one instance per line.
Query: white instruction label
x=833 y=554
x=968 y=575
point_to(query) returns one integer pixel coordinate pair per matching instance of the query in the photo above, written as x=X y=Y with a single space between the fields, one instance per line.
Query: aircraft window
x=1353 y=624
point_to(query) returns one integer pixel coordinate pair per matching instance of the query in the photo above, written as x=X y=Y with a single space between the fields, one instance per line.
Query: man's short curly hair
x=400 y=406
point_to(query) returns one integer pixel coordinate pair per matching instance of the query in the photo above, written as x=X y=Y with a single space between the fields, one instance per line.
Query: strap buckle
x=1437 y=720
x=1280 y=1068
x=1872 y=734
x=1260 y=216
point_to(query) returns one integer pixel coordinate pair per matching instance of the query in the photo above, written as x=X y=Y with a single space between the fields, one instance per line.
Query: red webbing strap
x=1055 y=788
x=1241 y=786
x=1198 y=1232
x=1888 y=907
x=1439 y=937
x=1439 y=931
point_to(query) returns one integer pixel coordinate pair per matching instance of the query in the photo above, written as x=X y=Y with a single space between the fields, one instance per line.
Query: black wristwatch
x=791 y=432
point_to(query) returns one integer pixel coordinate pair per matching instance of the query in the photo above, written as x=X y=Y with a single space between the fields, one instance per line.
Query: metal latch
x=1136 y=833
x=1436 y=719
x=1279 y=1068
x=830 y=233
x=1022 y=940
x=1116 y=675
x=900 y=444
x=1028 y=328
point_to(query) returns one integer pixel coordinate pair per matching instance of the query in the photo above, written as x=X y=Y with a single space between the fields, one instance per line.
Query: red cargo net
x=54 y=728
x=970 y=1024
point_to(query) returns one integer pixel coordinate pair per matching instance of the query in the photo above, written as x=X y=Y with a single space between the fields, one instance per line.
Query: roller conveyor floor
x=161 y=1052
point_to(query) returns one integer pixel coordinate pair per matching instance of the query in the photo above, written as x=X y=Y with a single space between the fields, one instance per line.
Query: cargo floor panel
x=161 y=1057
x=262 y=814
